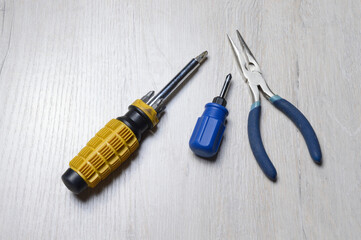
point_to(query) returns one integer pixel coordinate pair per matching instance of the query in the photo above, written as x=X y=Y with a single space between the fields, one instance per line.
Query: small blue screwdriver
x=208 y=132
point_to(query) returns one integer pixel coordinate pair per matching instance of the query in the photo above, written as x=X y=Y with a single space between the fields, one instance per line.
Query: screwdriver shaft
x=160 y=99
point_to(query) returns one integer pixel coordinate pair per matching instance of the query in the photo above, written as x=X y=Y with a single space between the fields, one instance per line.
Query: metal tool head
x=250 y=68
x=245 y=58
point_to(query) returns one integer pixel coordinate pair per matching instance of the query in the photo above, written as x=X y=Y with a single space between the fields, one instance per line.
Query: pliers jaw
x=250 y=69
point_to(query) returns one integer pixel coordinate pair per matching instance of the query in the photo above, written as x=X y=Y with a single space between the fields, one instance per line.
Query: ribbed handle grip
x=104 y=153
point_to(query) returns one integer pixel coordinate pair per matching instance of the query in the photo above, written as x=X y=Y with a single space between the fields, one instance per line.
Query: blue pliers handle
x=253 y=75
x=255 y=140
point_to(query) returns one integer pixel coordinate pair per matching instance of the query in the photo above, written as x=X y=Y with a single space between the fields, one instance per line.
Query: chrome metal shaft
x=159 y=100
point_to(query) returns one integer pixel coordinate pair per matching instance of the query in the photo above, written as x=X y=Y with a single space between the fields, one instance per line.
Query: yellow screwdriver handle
x=104 y=153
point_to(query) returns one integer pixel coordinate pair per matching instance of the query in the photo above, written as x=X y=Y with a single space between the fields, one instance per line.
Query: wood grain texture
x=68 y=67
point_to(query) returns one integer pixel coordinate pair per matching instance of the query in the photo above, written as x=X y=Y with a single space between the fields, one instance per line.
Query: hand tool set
x=120 y=137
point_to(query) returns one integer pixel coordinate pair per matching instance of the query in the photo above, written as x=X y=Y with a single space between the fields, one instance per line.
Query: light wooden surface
x=67 y=67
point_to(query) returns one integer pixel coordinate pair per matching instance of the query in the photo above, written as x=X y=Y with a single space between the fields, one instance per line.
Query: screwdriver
x=208 y=132
x=120 y=137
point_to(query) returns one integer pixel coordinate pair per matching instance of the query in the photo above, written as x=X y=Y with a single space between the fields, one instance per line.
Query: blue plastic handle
x=297 y=118
x=302 y=124
x=255 y=140
x=208 y=132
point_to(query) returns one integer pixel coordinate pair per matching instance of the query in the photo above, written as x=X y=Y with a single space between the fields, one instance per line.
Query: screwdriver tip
x=226 y=85
x=201 y=57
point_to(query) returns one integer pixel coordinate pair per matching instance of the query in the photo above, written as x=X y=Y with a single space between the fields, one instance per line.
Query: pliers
x=253 y=76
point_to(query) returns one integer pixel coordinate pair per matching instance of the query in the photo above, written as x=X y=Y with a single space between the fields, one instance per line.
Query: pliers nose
x=250 y=69
x=253 y=74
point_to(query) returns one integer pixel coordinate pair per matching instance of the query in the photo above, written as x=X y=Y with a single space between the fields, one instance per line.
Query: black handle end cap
x=73 y=181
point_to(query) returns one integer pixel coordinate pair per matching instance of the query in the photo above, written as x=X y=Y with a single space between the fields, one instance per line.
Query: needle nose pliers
x=253 y=76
